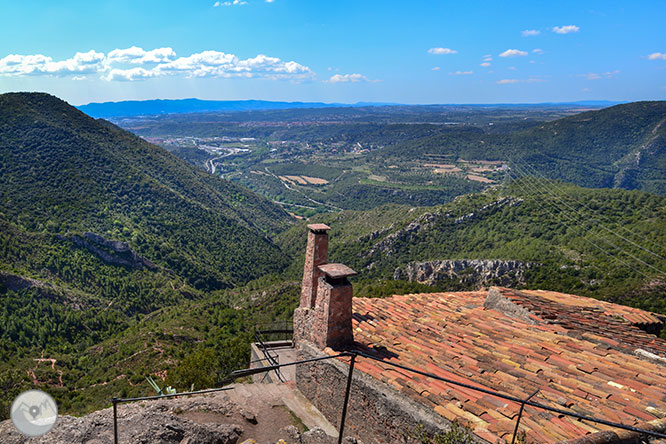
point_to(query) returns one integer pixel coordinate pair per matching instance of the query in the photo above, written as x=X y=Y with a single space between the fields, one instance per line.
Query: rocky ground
x=217 y=418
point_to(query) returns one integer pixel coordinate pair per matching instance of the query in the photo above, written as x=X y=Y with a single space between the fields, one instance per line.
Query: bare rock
x=110 y=251
x=471 y=272
x=140 y=423
x=248 y=415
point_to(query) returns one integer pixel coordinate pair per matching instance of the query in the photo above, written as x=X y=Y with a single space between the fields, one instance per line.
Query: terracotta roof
x=632 y=315
x=609 y=324
x=452 y=335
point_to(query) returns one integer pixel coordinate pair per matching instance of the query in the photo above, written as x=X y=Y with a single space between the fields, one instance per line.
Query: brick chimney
x=316 y=254
x=332 y=325
x=324 y=317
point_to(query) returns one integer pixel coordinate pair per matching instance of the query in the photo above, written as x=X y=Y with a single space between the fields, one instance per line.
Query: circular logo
x=34 y=413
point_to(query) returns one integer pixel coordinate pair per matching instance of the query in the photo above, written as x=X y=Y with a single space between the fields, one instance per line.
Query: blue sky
x=336 y=51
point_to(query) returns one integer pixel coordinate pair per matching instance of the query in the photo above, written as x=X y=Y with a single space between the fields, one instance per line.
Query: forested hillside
x=99 y=229
x=63 y=173
x=607 y=244
x=623 y=146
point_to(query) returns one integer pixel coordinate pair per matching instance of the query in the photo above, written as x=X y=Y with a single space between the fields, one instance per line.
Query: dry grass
x=297 y=179
x=454 y=169
x=315 y=180
x=479 y=178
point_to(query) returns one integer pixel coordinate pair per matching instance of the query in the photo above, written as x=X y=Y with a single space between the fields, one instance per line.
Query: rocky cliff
x=469 y=272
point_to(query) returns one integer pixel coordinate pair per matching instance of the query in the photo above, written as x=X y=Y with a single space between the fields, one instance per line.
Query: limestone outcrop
x=110 y=251
x=469 y=272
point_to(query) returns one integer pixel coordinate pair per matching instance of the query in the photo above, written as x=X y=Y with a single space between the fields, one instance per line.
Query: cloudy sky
x=413 y=51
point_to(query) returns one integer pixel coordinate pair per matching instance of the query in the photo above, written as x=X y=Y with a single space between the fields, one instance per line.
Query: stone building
x=591 y=357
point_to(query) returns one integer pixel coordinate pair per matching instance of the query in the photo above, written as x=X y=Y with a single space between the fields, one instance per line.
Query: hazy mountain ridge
x=129 y=108
x=177 y=106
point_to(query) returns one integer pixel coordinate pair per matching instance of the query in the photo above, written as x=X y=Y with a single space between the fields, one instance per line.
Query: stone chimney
x=324 y=317
x=316 y=254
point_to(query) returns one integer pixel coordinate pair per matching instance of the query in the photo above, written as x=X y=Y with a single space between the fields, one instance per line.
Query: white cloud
x=537 y=51
x=513 y=53
x=565 y=29
x=270 y=1
x=511 y=81
x=347 y=78
x=530 y=32
x=442 y=51
x=461 y=73
x=230 y=3
x=597 y=76
x=82 y=63
x=130 y=74
x=485 y=64
x=512 y=68
x=487 y=58
x=657 y=56
x=436 y=68
x=136 y=55
x=117 y=65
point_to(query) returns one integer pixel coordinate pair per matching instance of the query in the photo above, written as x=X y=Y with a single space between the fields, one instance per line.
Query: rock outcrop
x=15 y=282
x=406 y=235
x=110 y=251
x=469 y=272
x=156 y=422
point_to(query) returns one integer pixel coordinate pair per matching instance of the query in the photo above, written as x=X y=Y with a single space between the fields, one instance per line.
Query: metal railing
x=261 y=335
x=354 y=355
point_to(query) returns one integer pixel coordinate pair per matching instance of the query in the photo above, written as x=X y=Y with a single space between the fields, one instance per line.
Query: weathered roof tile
x=571 y=357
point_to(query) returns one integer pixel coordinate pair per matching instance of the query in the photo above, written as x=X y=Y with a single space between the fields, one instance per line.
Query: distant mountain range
x=131 y=108
x=153 y=107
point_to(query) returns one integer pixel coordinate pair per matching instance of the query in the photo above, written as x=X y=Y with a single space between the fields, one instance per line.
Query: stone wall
x=376 y=413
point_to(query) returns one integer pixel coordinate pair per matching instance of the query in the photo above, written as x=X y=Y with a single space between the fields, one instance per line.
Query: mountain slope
x=623 y=146
x=64 y=173
x=582 y=241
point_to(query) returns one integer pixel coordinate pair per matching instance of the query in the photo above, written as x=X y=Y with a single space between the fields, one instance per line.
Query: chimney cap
x=337 y=271
x=317 y=228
